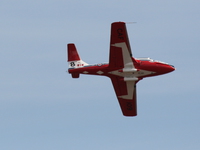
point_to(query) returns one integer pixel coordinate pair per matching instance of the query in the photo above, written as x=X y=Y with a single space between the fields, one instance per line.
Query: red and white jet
x=123 y=69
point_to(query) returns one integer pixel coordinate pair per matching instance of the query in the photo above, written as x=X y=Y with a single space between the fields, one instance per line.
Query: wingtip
x=119 y=22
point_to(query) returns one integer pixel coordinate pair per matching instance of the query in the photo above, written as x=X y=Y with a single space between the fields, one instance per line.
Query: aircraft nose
x=171 y=68
x=165 y=68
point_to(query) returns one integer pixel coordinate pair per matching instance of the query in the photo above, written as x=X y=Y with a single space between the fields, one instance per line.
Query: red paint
x=124 y=74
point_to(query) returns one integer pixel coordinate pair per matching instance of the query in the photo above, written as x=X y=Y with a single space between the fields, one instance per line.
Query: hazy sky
x=43 y=108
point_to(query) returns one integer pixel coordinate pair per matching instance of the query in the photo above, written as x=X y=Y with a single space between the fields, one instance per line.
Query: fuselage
x=144 y=67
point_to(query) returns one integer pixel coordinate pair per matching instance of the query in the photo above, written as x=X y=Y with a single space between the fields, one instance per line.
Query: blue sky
x=42 y=107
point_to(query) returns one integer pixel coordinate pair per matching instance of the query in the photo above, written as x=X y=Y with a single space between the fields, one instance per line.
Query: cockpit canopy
x=151 y=60
x=145 y=59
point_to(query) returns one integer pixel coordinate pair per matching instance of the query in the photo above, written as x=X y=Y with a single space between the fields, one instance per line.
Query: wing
x=122 y=63
x=120 y=50
x=126 y=94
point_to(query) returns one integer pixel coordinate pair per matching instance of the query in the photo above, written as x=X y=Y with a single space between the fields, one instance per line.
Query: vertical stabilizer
x=74 y=59
x=72 y=53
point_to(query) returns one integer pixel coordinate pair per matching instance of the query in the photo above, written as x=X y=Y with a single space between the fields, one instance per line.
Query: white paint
x=130 y=90
x=100 y=72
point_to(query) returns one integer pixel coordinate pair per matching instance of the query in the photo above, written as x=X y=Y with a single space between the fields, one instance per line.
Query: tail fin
x=74 y=59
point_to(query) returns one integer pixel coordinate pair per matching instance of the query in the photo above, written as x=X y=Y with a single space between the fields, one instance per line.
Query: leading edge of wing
x=126 y=95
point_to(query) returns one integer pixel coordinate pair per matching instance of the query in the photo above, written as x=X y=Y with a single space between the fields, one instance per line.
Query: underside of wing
x=120 y=50
x=126 y=95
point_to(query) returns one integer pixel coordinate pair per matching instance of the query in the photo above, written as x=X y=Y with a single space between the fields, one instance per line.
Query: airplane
x=123 y=69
